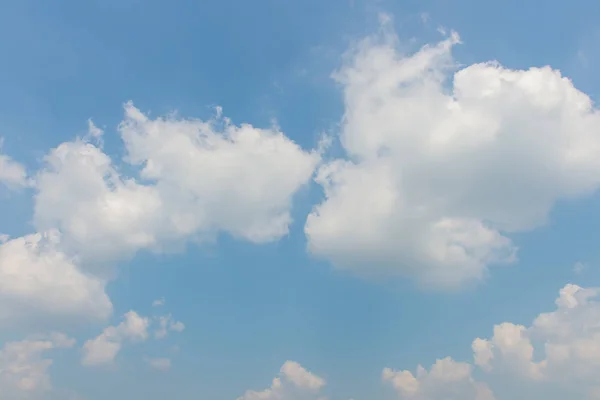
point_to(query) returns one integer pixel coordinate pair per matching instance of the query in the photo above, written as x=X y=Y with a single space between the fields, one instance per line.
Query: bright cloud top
x=444 y=161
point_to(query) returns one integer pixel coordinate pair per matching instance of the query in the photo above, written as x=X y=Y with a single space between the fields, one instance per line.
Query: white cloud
x=567 y=340
x=12 y=174
x=166 y=324
x=37 y=279
x=161 y=364
x=442 y=164
x=24 y=370
x=200 y=179
x=293 y=383
x=447 y=380
x=559 y=351
x=104 y=348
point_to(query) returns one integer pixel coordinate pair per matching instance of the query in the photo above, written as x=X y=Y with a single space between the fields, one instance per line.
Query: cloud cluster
x=558 y=350
x=441 y=165
x=557 y=356
x=198 y=179
x=134 y=328
x=443 y=162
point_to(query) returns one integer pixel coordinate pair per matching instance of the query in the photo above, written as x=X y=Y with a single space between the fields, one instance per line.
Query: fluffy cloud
x=293 y=383
x=36 y=279
x=200 y=178
x=443 y=162
x=104 y=348
x=567 y=339
x=559 y=350
x=24 y=370
x=447 y=379
x=12 y=174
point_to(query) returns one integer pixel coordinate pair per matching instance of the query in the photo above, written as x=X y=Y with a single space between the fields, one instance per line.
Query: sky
x=299 y=200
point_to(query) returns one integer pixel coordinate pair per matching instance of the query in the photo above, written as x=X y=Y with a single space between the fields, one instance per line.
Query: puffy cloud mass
x=444 y=162
x=558 y=352
x=198 y=179
x=293 y=383
x=37 y=278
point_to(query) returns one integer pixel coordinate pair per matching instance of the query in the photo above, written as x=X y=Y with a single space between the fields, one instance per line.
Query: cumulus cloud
x=443 y=162
x=559 y=350
x=37 y=278
x=566 y=339
x=12 y=174
x=24 y=370
x=294 y=382
x=447 y=379
x=104 y=348
x=198 y=179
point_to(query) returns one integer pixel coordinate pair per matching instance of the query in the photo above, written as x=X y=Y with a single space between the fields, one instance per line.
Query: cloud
x=558 y=352
x=447 y=379
x=104 y=348
x=579 y=267
x=166 y=324
x=37 y=279
x=160 y=364
x=24 y=370
x=442 y=162
x=12 y=174
x=158 y=302
x=567 y=338
x=198 y=179
x=293 y=383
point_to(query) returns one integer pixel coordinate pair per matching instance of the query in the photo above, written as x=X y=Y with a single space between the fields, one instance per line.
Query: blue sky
x=313 y=296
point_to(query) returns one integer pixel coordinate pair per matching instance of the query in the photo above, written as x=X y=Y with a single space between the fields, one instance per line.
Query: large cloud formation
x=443 y=162
x=198 y=179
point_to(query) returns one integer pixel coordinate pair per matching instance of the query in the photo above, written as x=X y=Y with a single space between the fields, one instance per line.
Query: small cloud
x=161 y=364
x=166 y=324
x=579 y=267
x=425 y=17
x=158 y=302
